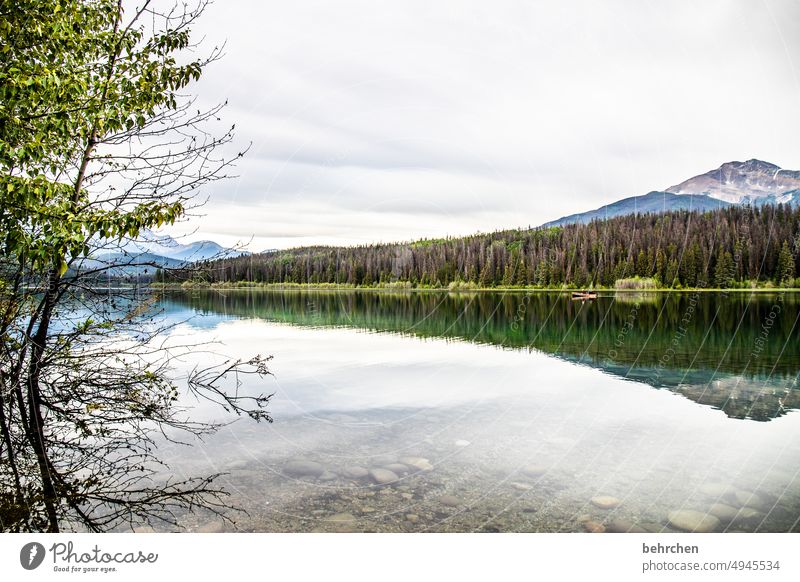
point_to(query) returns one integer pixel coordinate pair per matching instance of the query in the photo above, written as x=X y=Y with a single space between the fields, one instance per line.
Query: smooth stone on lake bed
x=342 y=522
x=594 y=527
x=690 y=520
x=624 y=526
x=356 y=472
x=383 y=476
x=534 y=471
x=749 y=514
x=605 y=502
x=723 y=511
x=327 y=476
x=396 y=468
x=749 y=499
x=418 y=463
x=381 y=460
x=300 y=468
x=217 y=526
x=449 y=500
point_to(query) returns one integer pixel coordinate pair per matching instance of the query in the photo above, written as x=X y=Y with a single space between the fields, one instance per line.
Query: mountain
x=167 y=247
x=741 y=182
x=650 y=202
x=753 y=182
x=141 y=257
x=123 y=264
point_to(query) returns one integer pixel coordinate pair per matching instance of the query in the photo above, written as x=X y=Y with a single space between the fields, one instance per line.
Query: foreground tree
x=97 y=144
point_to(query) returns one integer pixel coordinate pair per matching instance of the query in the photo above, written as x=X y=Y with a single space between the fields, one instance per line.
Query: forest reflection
x=736 y=352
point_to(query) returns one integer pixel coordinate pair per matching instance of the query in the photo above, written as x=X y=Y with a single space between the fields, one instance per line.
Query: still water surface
x=505 y=412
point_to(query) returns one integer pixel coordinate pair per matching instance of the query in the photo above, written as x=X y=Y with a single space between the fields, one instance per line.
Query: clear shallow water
x=504 y=412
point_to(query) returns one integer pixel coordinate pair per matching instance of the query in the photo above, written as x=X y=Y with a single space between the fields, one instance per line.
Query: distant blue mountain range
x=150 y=251
x=650 y=202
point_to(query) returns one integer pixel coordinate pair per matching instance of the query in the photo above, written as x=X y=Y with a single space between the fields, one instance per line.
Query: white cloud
x=372 y=121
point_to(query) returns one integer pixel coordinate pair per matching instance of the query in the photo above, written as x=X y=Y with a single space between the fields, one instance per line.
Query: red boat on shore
x=584 y=295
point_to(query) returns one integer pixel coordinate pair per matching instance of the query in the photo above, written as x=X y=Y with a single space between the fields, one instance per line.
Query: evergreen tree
x=724 y=272
x=785 y=269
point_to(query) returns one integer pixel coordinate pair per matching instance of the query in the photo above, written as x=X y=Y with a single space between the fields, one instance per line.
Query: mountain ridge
x=656 y=201
x=734 y=180
x=753 y=182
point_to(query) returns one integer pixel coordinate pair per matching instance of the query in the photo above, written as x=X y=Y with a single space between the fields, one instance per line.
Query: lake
x=492 y=412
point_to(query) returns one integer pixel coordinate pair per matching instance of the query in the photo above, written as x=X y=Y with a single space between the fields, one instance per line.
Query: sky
x=385 y=121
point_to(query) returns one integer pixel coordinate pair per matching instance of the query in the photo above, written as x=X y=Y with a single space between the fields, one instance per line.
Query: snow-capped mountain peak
x=162 y=245
x=738 y=182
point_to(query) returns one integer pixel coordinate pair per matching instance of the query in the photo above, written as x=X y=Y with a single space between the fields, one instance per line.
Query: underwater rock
x=383 y=476
x=303 y=468
x=690 y=520
x=605 y=502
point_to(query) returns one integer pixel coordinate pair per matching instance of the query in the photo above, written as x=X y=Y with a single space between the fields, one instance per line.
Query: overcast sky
x=380 y=121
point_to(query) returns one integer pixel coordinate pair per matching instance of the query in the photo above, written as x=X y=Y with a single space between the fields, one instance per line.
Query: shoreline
x=352 y=288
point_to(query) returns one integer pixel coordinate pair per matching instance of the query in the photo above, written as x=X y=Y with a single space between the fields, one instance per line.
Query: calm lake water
x=504 y=412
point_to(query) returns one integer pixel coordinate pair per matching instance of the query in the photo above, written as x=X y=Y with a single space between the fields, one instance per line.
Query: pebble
x=343 y=522
x=624 y=526
x=605 y=502
x=217 y=526
x=749 y=514
x=583 y=518
x=398 y=468
x=418 y=463
x=718 y=490
x=381 y=460
x=534 y=471
x=449 y=500
x=749 y=499
x=522 y=486
x=593 y=526
x=383 y=476
x=462 y=443
x=723 y=512
x=412 y=517
x=690 y=520
x=327 y=476
x=302 y=468
x=407 y=496
x=356 y=472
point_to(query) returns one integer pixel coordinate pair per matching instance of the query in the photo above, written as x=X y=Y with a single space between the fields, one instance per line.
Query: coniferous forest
x=727 y=248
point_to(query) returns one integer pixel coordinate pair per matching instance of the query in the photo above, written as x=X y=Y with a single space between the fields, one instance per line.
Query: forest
x=727 y=248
